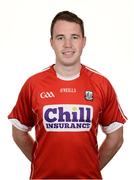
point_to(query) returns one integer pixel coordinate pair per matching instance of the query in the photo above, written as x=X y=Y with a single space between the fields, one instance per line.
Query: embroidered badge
x=89 y=95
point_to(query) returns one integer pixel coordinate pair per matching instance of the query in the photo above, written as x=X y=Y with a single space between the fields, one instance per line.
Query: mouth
x=68 y=53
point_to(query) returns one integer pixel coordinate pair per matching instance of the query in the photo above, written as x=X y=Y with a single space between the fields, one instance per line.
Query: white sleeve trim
x=18 y=125
x=112 y=127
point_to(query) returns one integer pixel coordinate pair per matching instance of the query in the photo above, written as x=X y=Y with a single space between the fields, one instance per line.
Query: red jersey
x=66 y=114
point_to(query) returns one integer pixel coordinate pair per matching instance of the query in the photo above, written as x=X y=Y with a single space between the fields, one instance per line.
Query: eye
x=75 y=37
x=60 y=38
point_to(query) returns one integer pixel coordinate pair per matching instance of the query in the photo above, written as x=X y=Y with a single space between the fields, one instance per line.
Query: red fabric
x=61 y=154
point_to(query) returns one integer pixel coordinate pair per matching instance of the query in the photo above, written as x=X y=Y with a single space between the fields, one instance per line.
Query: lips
x=68 y=53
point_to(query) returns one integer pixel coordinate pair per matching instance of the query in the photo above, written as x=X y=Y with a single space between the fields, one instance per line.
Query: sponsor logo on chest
x=67 y=117
x=67 y=90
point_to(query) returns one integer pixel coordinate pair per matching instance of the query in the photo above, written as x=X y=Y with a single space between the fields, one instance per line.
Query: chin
x=69 y=62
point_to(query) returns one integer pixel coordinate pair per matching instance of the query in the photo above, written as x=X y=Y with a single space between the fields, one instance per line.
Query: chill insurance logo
x=67 y=117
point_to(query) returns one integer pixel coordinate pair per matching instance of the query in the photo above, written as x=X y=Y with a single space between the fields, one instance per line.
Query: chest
x=67 y=106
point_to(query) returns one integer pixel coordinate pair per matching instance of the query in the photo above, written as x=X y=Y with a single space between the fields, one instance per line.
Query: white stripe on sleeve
x=18 y=125
x=112 y=127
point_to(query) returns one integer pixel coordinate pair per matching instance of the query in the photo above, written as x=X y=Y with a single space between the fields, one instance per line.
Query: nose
x=67 y=43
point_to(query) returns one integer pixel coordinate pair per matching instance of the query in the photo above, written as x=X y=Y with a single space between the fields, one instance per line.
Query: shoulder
x=94 y=75
x=42 y=75
x=98 y=81
x=36 y=79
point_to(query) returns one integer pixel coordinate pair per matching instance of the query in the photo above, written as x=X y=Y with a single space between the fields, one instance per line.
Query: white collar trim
x=67 y=78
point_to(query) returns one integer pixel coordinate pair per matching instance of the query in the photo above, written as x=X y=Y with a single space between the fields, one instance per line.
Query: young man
x=66 y=103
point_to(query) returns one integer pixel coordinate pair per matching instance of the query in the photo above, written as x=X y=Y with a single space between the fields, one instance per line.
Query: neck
x=67 y=71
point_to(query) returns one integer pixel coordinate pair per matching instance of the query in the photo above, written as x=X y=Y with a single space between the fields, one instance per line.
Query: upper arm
x=16 y=133
x=116 y=137
x=112 y=117
x=22 y=115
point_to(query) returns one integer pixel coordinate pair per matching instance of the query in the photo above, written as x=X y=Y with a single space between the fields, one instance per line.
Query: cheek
x=57 y=50
x=58 y=46
x=80 y=47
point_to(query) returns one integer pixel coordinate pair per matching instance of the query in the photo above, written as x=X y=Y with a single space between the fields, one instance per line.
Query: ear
x=51 y=42
x=84 y=41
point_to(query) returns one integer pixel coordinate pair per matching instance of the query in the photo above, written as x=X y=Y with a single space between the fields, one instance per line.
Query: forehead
x=65 y=27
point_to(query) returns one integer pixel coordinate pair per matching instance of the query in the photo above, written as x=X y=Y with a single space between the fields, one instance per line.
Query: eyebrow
x=75 y=35
x=59 y=35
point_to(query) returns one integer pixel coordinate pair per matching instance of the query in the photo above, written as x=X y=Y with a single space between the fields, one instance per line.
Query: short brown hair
x=67 y=16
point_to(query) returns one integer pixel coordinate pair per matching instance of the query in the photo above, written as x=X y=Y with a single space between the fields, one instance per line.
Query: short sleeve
x=22 y=116
x=112 y=116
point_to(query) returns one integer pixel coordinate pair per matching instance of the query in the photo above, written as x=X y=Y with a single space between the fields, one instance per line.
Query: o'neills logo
x=67 y=117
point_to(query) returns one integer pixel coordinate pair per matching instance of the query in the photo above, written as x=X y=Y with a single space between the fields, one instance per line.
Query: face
x=67 y=42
